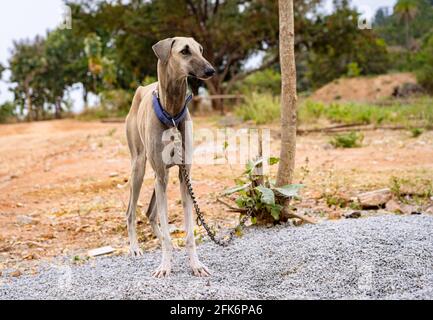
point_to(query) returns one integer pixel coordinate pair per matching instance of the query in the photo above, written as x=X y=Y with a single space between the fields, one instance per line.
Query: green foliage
x=353 y=70
x=43 y=69
x=260 y=108
x=266 y=81
x=2 y=69
x=347 y=140
x=417 y=188
x=7 y=111
x=417 y=113
x=266 y=199
x=339 y=44
x=416 y=132
x=425 y=62
x=410 y=20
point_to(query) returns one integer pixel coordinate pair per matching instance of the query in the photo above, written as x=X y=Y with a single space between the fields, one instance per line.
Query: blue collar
x=165 y=117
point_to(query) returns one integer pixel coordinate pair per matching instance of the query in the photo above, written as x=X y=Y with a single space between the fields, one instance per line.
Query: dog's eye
x=185 y=52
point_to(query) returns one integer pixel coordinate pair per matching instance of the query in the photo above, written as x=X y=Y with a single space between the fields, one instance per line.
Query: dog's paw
x=163 y=271
x=135 y=251
x=200 y=270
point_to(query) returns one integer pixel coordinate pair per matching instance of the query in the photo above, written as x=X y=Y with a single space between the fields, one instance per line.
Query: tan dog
x=178 y=58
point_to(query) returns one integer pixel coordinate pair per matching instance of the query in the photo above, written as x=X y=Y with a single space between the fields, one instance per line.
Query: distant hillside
x=362 y=89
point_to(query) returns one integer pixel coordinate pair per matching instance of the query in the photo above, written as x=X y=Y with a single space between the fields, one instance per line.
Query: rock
x=20 y=205
x=352 y=215
x=407 y=89
x=393 y=206
x=16 y=274
x=100 y=251
x=114 y=174
x=429 y=210
x=374 y=199
x=24 y=220
x=408 y=209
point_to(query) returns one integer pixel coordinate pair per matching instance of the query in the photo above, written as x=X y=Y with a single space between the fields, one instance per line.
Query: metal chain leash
x=200 y=218
x=177 y=155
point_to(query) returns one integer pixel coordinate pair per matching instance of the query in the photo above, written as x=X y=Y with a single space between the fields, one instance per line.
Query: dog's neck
x=172 y=90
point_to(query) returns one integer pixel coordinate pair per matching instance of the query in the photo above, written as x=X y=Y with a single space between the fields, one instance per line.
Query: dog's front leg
x=164 y=269
x=198 y=269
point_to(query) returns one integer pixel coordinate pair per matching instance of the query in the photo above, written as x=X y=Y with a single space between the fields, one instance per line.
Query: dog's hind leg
x=137 y=175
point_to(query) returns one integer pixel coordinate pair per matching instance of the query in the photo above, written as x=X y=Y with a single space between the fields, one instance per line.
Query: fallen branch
x=232 y=209
x=349 y=127
x=285 y=212
x=289 y=214
x=340 y=126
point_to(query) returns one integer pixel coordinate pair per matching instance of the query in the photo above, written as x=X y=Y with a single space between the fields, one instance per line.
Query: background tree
x=407 y=11
x=26 y=65
x=2 y=69
x=288 y=93
x=338 y=44
x=388 y=25
x=425 y=64
x=130 y=30
x=63 y=67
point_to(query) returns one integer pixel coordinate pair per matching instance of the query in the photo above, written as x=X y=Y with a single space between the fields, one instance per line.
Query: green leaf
x=254 y=220
x=236 y=189
x=252 y=165
x=273 y=161
x=225 y=145
x=291 y=190
x=240 y=202
x=268 y=196
x=276 y=211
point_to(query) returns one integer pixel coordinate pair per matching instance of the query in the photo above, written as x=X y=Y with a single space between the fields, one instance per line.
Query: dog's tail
x=152 y=205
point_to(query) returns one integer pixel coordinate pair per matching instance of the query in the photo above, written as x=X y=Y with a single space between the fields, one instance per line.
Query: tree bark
x=29 y=106
x=58 y=106
x=288 y=94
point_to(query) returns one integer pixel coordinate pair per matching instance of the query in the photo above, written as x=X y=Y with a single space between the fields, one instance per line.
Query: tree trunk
x=85 y=98
x=407 y=33
x=58 y=106
x=215 y=88
x=29 y=106
x=288 y=94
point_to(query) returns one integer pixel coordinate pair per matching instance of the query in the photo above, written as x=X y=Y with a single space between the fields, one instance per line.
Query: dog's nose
x=209 y=72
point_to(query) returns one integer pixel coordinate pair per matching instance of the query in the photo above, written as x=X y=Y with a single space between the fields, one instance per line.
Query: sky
x=21 y=19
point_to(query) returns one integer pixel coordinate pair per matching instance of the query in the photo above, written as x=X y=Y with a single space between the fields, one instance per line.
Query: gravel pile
x=387 y=257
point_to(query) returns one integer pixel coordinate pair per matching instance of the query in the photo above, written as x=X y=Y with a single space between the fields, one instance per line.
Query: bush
x=416 y=132
x=347 y=140
x=116 y=102
x=260 y=108
x=266 y=81
x=353 y=70
x=7 y=111
x=425 y=61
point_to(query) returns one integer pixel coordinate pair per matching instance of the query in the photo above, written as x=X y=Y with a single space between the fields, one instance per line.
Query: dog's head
x=184 y=56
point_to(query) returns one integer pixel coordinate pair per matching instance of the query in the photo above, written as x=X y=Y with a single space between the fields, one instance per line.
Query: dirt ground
x=59 y=182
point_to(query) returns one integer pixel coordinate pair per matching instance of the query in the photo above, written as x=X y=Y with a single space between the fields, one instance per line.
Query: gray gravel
x=387 y=257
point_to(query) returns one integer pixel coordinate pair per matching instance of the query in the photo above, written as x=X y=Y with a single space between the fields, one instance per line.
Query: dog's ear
x=163 y=49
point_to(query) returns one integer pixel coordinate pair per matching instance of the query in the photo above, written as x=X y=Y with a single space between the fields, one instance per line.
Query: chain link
x=200 y=218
